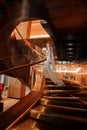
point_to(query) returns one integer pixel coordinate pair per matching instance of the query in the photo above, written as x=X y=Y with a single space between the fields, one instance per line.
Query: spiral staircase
x=58 y=108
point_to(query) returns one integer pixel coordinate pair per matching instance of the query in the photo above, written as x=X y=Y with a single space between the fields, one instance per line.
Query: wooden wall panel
x=16 y=89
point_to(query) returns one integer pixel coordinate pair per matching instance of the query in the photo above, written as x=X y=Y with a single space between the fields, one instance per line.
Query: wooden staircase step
x=61 y=97
x=67 y=103
x=53 y=117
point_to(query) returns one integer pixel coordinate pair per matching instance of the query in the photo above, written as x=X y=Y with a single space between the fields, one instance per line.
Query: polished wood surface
x=7 y=103
x=19 y=108
x=58 y=110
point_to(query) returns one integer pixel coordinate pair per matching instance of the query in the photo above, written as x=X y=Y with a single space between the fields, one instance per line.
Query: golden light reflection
x=41 y=110
x=31 y=29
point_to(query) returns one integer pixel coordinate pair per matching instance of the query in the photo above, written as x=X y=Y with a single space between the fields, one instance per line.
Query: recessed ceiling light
x=69 y=48
x=70 y=44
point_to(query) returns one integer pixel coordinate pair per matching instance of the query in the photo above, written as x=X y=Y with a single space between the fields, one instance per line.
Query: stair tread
x=54 y=117
x=59 y=88
x=61 y=91
x=56 y=108
x=75 y=103
x=27 y=124
x=61 y=97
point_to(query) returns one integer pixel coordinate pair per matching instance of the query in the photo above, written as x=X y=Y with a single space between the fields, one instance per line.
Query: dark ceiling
x=68 y=22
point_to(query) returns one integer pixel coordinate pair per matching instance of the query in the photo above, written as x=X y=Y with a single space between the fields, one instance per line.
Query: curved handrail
x=27 y=102
x=21 y=66
x=15 y=111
